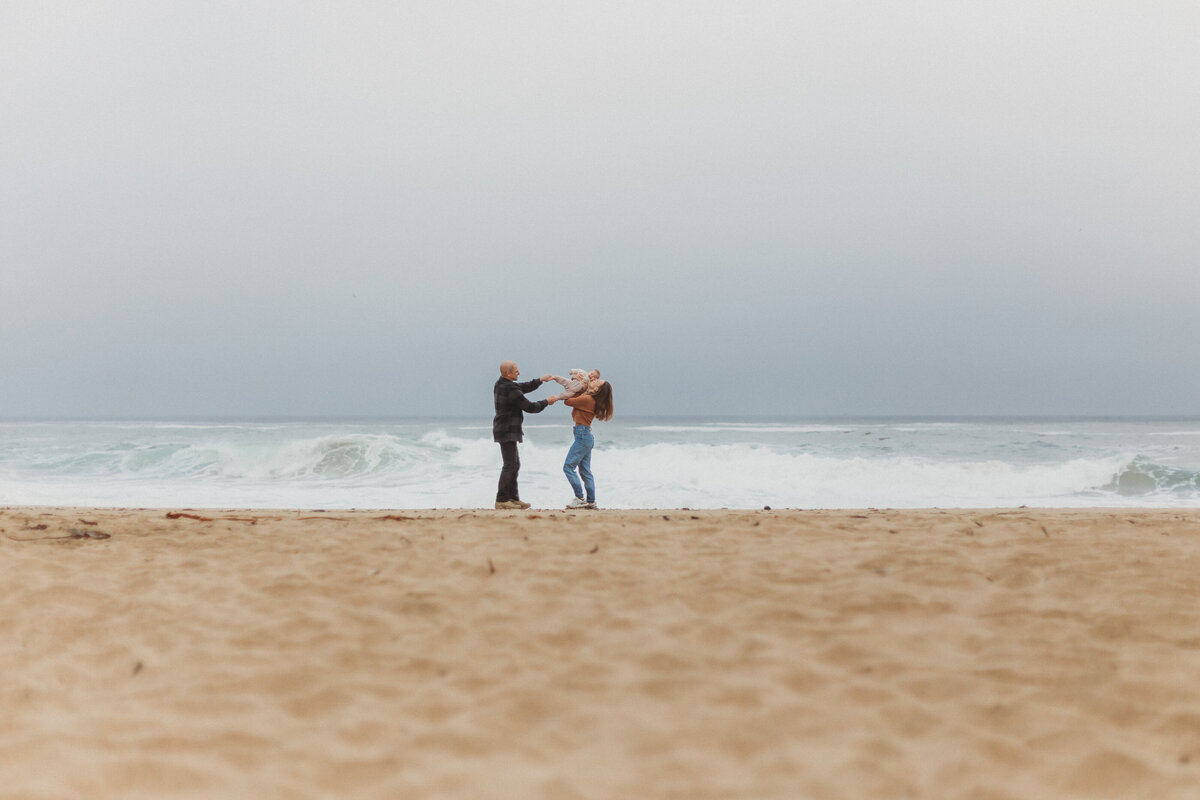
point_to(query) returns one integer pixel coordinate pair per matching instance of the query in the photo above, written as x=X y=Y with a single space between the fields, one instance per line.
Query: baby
x=576 y=382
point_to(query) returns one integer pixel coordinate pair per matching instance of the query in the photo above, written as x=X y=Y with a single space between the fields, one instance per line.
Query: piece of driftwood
x=183 y=515
x=74 y=533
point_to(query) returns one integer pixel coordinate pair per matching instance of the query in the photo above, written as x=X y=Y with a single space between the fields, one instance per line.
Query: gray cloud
x=759 y=207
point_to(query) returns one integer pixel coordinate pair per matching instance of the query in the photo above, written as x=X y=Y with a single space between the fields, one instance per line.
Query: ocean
x=642 y=462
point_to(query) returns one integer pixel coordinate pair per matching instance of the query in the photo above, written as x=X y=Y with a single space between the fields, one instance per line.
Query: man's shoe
x=521 y=504
x=592 y=505
x=577 y=502
x=509 y=504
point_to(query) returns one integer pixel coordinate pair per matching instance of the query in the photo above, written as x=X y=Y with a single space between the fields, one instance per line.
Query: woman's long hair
x=604 y=402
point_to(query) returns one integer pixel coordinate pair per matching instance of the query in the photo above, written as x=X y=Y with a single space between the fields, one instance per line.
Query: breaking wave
x=285 y=467
x=1143 y=478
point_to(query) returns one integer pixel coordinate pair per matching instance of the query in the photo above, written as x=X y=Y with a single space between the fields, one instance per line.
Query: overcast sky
x=808 y=208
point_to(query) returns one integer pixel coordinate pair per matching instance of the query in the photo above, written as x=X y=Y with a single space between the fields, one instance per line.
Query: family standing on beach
x=589 y=398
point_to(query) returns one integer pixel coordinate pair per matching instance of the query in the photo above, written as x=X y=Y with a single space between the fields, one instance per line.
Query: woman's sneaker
x=578 y=502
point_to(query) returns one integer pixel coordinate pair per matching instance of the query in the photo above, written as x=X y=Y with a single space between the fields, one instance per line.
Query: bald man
x=511 y=404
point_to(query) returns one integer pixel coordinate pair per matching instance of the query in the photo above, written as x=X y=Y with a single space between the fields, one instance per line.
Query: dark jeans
x=507 y=490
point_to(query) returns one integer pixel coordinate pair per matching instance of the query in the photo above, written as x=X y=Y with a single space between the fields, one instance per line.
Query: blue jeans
x=580 y=457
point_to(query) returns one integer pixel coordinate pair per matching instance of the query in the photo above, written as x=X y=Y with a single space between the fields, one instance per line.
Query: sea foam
x=652 y=464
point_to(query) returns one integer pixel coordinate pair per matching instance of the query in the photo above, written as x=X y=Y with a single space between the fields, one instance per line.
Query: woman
x=595 y=403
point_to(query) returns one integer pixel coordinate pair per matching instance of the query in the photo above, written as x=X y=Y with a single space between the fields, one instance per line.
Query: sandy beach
x=613 y=654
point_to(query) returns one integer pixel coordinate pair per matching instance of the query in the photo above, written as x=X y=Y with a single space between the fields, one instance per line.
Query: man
x=510 y=402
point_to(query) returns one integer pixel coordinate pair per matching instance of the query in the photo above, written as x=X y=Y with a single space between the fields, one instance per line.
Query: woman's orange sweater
x=583 y=409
